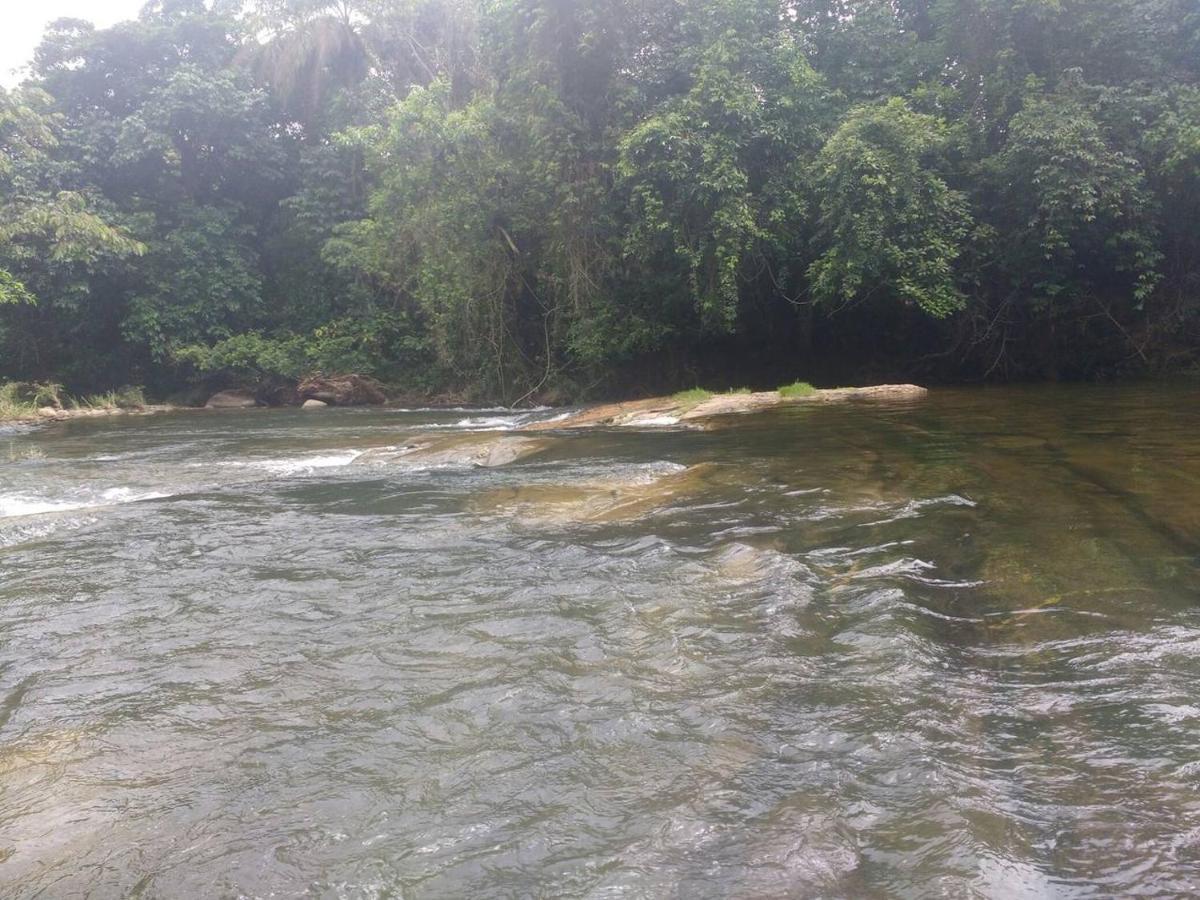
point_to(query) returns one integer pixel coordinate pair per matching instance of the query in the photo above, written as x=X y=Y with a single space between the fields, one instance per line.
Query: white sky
x=22 y=23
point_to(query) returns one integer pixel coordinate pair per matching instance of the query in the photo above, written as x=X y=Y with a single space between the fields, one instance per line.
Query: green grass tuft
x=693 y=397
x=797 y=389
x=125 y=398
x=21 y=399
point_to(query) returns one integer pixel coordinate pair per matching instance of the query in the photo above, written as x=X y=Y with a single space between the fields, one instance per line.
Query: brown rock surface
x=480 y=449
x=665 y=411
x=342 y=390
x=599 y=501
x=231 y=400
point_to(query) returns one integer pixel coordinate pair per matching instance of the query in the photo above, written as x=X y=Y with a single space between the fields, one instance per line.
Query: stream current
x=938 y=649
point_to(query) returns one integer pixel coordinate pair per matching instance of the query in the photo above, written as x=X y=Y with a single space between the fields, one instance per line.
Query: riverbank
x=39 y=403
x=47 y=415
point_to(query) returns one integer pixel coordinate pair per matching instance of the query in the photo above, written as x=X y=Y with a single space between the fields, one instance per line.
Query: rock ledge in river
x=666 y=411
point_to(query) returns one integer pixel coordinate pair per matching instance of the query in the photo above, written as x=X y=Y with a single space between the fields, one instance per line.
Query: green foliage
x=797 y=389
x=20 y=399
x=53 y=241
x=889 y=224
x=199 y=282
x=523 y=195
x=372 y=347
x=12 y=291
x=712 y=172
x=1074 y=210
x=437 y=235
x=122 y=398
x=692 y=397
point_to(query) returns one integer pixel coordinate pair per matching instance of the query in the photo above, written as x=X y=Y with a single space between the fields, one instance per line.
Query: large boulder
x=314 y=404
x=231 y=400
x=342 y=390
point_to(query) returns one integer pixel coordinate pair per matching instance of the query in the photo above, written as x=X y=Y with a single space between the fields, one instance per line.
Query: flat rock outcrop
x=667 y=411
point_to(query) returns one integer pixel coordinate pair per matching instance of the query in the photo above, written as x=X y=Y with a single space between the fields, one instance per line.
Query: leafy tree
x=890 y=225
x=54 y=242
x=1075 y=209
x=714 y=172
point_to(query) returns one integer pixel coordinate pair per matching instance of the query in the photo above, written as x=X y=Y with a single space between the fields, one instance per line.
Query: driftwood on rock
x=342 y=390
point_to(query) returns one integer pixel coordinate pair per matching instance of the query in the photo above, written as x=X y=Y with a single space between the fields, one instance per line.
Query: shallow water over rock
x=946 y=648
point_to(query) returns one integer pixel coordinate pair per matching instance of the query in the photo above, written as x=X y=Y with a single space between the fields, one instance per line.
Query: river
x=938 y=649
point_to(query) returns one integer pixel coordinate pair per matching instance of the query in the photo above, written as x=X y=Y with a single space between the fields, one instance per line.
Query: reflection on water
x=947 y=649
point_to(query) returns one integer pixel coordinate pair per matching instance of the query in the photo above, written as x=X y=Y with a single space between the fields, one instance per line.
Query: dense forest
x=518 y=199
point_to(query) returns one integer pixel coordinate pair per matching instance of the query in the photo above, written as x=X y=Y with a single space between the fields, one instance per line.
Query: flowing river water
x=937 y=649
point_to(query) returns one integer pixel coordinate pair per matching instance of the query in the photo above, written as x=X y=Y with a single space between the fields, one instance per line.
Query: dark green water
x=949 y=649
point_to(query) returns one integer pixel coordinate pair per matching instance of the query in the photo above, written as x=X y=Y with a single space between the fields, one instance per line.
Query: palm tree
x=313 y=48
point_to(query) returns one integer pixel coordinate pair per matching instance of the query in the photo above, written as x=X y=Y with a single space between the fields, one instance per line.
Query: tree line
x=561 y=198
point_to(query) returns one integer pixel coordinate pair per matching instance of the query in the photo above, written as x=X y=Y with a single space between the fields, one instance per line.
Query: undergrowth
x=797 y=389
x=23 y=399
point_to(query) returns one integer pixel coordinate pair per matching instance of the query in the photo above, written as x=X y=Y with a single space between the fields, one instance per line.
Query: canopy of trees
x=514 y=197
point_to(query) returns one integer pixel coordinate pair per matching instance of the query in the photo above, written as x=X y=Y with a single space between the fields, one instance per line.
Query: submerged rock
x=342 y=390
x=742 y=562
x=231 y=400
x=48 y=750
x=474 y=449
x=599 y=501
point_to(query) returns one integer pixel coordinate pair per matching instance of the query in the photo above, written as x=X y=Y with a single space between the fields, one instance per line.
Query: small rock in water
x=314 y=404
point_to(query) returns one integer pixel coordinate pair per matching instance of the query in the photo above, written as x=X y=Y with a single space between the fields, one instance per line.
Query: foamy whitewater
x=15 y=505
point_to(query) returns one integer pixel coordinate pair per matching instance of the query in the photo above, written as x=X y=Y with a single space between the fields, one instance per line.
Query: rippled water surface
x=946 y=649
